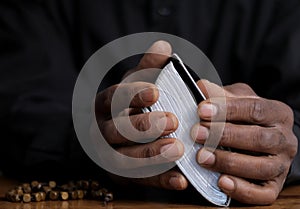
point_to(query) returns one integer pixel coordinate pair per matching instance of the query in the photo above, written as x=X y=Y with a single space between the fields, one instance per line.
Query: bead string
x=38 y=191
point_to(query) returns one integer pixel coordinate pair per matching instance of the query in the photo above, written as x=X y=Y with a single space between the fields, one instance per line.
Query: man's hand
x=260 y=134
x=164 y=122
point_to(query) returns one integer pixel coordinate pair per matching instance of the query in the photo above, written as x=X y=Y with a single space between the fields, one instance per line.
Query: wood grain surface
x=288 y=199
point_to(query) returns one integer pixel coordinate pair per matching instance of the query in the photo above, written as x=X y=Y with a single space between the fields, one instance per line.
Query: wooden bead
x=43 y=196
x=36 y=186
x=13 y=196
x=27 y=188
x=53 y=195
x=52 y=184
x=19 y=192
x=27 y=198
x=34 y=183
x=16 y=198
x=64 y=195
x=46 y=189
x=80 y=194
x=36 y=197
x=38 y=191
x=73 y=195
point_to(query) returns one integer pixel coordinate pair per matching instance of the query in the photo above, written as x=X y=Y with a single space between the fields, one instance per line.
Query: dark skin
x=260 y=129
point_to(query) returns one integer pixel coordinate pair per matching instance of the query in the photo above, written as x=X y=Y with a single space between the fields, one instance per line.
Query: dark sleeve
x=278 y=68
x=38 y=72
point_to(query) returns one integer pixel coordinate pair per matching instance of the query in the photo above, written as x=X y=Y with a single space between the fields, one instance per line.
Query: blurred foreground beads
x=40 y=191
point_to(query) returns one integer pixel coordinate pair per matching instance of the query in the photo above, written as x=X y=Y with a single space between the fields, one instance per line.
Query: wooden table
x=288 y=199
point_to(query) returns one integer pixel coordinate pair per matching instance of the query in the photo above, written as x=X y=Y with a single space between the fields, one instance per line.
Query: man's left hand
x=259 y=133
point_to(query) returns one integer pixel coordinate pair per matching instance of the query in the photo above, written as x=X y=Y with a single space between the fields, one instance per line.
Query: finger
x=130 y=111
x=210 y=89
x=240 y=90
x=171 y=180
x=250 y=110
x=161 y=151
x=241 y=165
x=246 y=192
x=137 y=94
x=136 y=128
x=155 y=57
x=244 y=137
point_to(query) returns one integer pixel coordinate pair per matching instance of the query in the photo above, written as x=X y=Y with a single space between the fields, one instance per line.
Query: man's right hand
x=163 y=123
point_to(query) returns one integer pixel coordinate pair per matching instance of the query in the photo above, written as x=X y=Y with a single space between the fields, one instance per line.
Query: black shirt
x=44 y=44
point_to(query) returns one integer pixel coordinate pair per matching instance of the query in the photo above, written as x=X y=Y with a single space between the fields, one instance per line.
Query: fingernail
x=177 y=183
x=167 y=123
x=207 y=110
x=171 y=151
x=148 y=94
x=206 y=157
x=199 y=133
x=226 y=184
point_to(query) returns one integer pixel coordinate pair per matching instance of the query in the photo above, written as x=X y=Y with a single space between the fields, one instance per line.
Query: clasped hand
x=258 y=133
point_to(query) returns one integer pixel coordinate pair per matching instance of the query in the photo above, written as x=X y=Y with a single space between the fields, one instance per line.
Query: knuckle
x=271 y=169
x=269 y=197
x=259 y=138
x=148 y=152
x=249 y=196
x=227 y=134
x=287 y=114
x=274 y=140
x=269 y=139
x=232 y=110
x=279 y=137
x=227 y=163
x=141 y=123
x=292 y=147
x=133 y=95
x=268 y=170
x=256 y=112
x=244 y=87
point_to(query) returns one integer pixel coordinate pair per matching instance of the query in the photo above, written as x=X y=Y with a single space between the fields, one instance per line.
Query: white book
x=176 y=97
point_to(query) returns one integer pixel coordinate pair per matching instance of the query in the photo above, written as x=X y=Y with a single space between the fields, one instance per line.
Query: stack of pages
x=176 y=95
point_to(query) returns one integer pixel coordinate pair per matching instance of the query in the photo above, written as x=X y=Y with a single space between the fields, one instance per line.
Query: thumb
x=211 y=90
x=155 y=57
